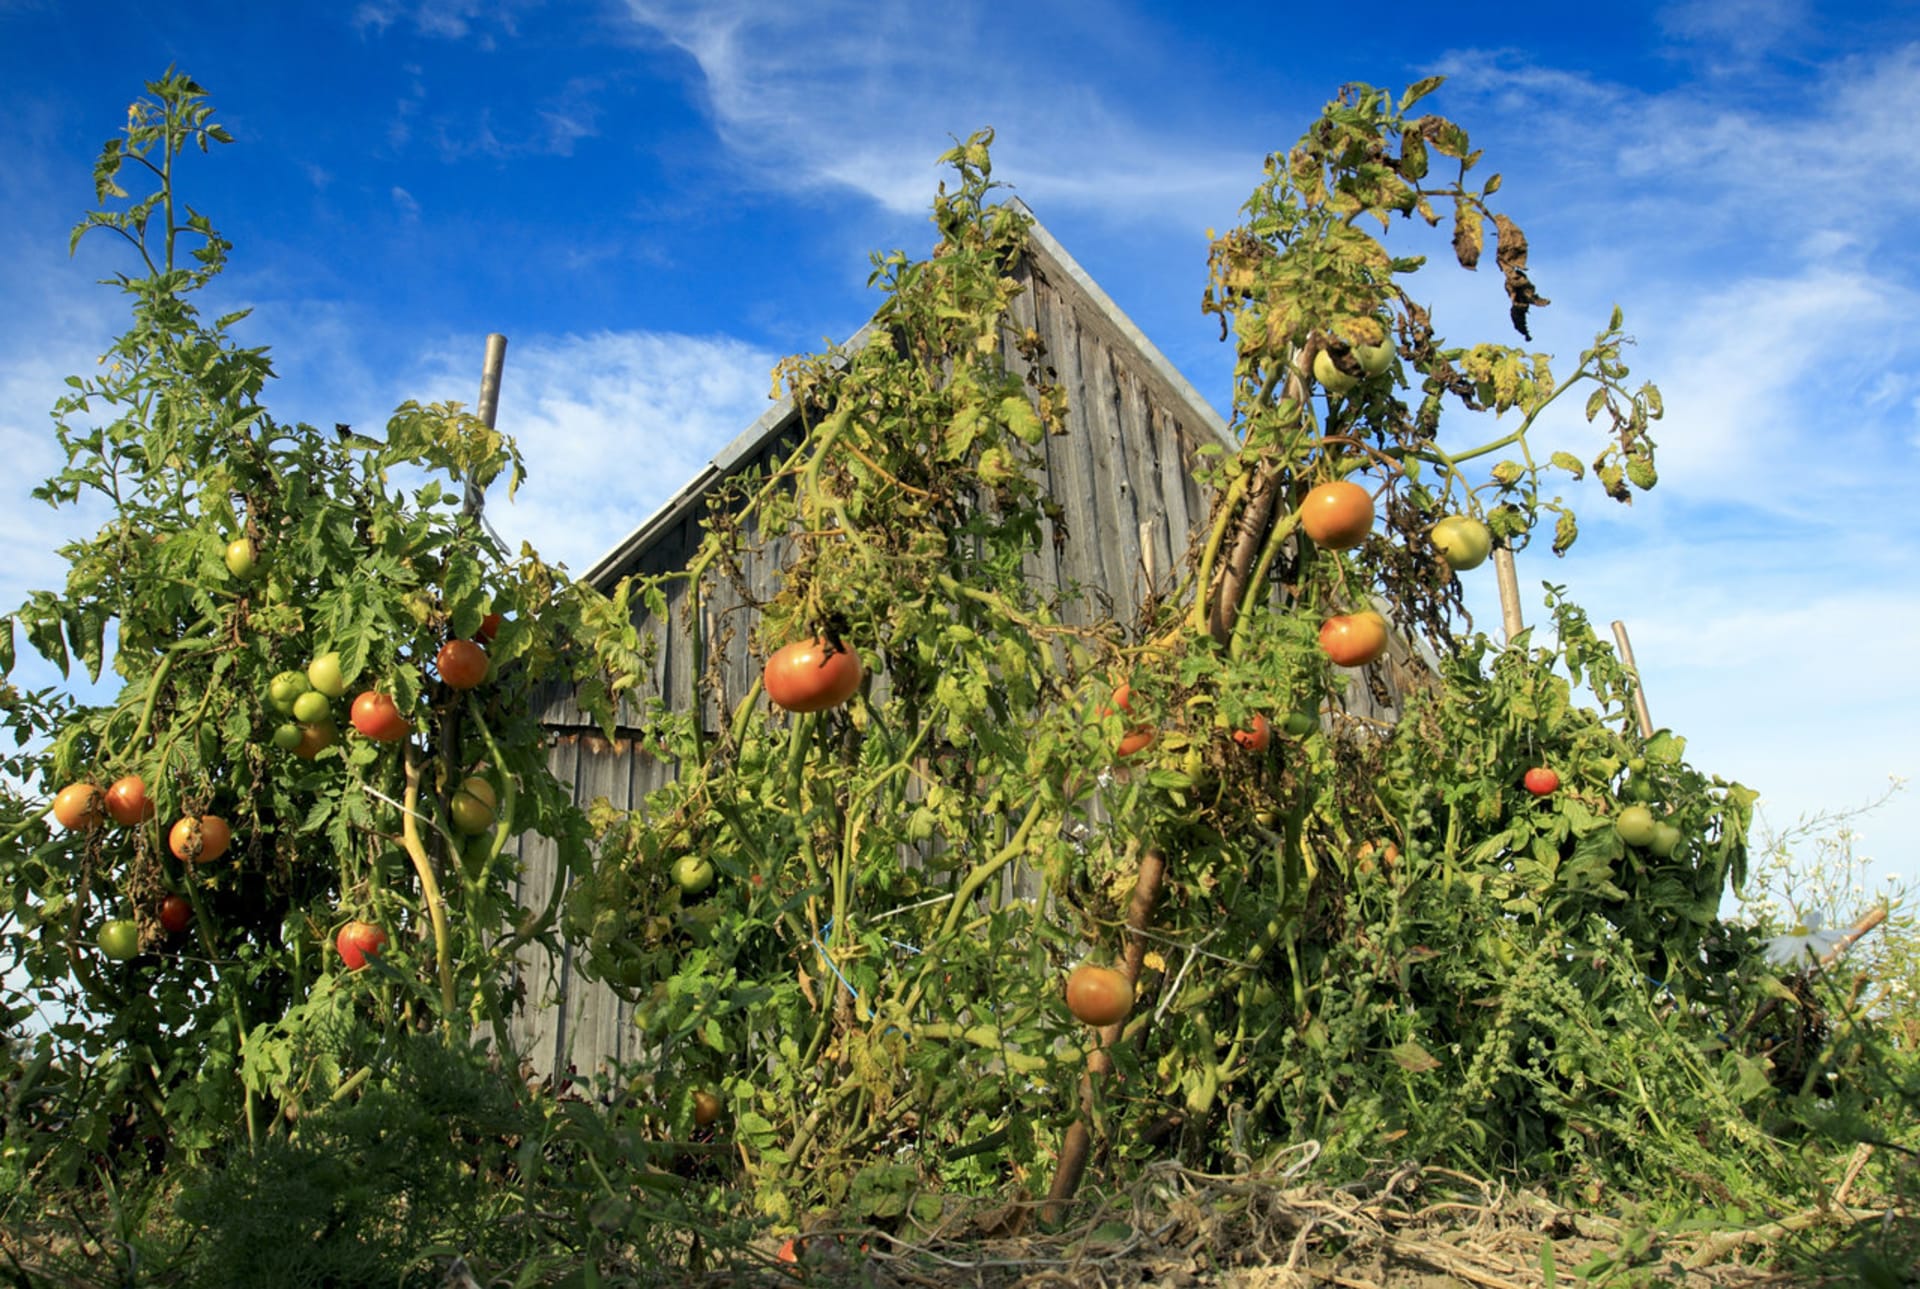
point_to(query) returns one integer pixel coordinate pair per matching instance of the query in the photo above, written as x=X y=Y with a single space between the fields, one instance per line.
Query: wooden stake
x=1509 y=583
x=491 y=368
x=1640 y=711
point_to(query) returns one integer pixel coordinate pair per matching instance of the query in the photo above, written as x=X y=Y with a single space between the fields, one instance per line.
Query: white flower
x=1793 y=948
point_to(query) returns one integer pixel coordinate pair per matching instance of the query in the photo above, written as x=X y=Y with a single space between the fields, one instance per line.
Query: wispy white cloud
x=865 y=97
x=445 y=19
x=611 y=425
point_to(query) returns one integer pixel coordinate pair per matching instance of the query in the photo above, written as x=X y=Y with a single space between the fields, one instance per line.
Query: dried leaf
x=1413 y=1058
x=1466 y=234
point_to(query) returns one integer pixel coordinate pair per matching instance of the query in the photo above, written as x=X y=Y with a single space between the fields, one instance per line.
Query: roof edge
x=750 y=440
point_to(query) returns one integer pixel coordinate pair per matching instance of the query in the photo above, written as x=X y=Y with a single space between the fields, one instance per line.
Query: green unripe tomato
x=1636 y=826
x=1299 y=724
x=120 y=939
x=286 y=736
x=1666 y=840
x=324 y=674
x=284 y=688
x=1331 y=378
x=1463 y=541
x=692 y=874
x=1375 y=359
x=310 y=707
x=241 y=558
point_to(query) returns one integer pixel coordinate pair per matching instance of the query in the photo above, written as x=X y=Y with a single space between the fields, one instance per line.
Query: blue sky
x=656 y=200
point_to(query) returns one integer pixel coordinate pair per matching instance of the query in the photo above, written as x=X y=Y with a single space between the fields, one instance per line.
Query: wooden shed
x=1123 y=476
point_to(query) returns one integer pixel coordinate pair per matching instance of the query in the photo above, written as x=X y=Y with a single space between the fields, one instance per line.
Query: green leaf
x=6 y=647
x=1570 y=463
x=1419 y=90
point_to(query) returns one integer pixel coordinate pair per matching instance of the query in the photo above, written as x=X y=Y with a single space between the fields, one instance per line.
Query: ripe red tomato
x=359 y=941
x=489 y=626
x=1098 y=995
x=176 y=911
x=127 y=801
x=78 y=805
x=1337 y=515
x=1136 y=736
x=377 y=718
x=462 y=663
x=706 y=1108
x=1354 y=639
x=812 y=675
x=199 y=839
x=1259 y=738
x=1541 y=781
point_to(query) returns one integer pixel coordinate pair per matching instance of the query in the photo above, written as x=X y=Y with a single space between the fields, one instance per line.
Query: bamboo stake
x=1509 y=583
x=1640 y=711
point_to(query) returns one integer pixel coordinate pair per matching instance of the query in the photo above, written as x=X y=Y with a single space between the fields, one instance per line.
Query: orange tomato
x=1354 y=639
x=78 y=805
x=1098 y=995
x=812 y=675
x=199 y=839
x=1337 y=515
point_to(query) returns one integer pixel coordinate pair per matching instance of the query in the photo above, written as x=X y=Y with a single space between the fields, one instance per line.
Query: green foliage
x=237 y=548
x=1368 y=934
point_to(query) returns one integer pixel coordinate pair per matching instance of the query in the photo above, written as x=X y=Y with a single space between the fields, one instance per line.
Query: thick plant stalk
x=1249 y=536
x=429 y=890
x=1077 y=1148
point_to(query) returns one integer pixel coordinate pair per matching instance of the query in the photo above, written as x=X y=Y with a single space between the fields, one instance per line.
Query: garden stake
x=1509 y=583
x=1640 y=711
x=1078 y=1146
